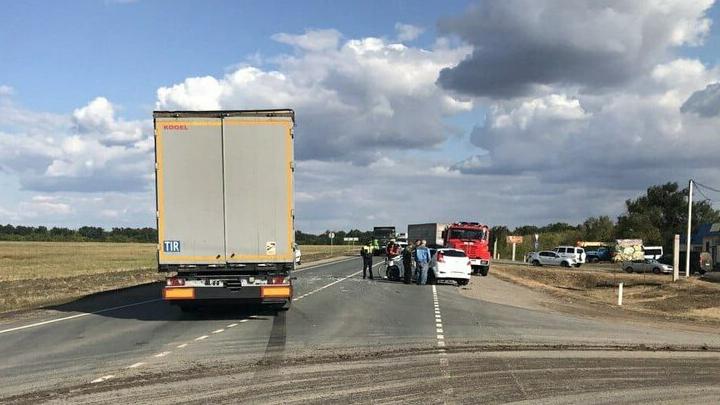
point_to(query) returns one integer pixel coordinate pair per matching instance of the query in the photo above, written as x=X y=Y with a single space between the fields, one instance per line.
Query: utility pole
x=687 y=239
x=676 y=257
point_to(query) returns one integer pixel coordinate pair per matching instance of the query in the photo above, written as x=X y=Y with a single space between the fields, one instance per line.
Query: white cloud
x=6 y=90
x=355 y=100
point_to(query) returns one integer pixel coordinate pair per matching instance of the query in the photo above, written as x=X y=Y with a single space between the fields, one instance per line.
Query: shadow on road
x=144 y=303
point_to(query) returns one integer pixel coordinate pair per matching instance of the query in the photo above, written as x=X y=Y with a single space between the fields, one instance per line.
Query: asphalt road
x=346 y=339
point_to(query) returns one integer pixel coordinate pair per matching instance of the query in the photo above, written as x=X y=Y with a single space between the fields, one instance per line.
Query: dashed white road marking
x=201 y=337
x=163 y=354
x=136 y=365
x=218 y=331
x=182 y=345
x=444 y=363
x=243 y=320
x=101 y=379
x=232 y=325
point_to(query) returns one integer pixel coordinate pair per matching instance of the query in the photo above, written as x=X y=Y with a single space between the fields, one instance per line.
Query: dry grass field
x=35 y=274
x=648 y=293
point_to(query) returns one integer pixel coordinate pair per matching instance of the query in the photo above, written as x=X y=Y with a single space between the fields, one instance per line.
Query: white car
x=647 y=265
x=450 y=264
x=574 y=252
x=298 y=255
x=551 y=258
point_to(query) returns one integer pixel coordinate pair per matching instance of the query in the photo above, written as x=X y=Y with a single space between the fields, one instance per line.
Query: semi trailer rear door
x=258 y=189
x=189 y=176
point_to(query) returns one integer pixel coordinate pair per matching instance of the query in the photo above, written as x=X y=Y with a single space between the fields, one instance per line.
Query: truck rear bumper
x=269 y=294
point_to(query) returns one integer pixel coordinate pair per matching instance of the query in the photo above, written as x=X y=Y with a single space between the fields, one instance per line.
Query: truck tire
x=484 y=271
x=462 y=282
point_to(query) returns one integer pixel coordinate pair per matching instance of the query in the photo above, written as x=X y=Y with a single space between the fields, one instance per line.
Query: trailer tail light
x=178 y=293
x=175 y=282
x=277 y=280
x=276 y=291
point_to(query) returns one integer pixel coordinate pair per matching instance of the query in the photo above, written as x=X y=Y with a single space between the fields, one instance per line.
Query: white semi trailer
x=225 y=215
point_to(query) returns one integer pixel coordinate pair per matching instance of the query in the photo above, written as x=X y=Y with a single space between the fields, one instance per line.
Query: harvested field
x=649 y=293
x=36 y=274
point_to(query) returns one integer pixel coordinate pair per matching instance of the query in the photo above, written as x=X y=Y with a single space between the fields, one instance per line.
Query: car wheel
x=536 y=262
x=628 y=269
x=565 y=264
x=578 y=264
x=656 y=270
x=462 y=282
x=594 y=260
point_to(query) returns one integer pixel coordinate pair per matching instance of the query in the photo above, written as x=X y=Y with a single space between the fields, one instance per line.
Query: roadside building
x=706 y=238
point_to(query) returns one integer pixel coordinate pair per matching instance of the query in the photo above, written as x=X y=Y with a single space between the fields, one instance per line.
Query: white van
x=574 y=252
x=653 y=252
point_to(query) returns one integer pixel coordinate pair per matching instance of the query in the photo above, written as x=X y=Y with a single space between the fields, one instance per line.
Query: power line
x=706 y=187
x=703 y=194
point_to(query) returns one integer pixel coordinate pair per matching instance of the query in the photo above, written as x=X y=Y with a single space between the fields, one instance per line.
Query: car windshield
x=467 y=234
x=454 y=253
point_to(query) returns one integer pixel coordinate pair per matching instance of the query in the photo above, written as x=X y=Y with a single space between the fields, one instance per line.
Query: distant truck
x=470 y=237
x=383 y=235
x=224 y=188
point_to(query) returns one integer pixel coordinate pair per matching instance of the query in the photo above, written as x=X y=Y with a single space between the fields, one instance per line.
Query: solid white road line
x=67 y=318
x=325 y=264
x=330 y=285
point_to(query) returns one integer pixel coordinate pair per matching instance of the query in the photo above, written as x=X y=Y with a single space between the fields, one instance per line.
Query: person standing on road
x=422 y=258
x=407 y=258
x=367 y=254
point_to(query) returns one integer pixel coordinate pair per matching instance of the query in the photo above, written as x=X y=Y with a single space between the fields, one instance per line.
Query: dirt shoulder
x=586 y=292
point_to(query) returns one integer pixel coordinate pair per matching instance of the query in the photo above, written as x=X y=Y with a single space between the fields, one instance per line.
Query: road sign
x=331 y=235
x=536 y=243
x=351 y=239
x=513 y=239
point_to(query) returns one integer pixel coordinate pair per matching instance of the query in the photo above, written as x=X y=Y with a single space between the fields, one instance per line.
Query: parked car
x=449 y=264
x=647 y=265
x=574 y=252
x=298 y=255
x=551 y=258
x=600 y=254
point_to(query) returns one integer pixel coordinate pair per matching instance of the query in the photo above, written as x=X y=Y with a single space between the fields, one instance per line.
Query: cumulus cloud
x=356 y=99
x=519 y=46
x=89 y=150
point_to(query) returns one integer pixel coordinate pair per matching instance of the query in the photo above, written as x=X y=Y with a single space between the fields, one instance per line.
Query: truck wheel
x=462 y=282
x=484 y=271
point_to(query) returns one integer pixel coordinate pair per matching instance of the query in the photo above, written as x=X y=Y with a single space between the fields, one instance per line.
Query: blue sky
x=126 y=50
x=486 y=110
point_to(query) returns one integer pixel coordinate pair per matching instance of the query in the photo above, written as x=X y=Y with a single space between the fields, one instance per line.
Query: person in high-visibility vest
x=367 y=254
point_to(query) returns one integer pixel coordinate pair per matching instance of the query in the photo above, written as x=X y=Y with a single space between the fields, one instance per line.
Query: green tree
x=661 y=213
x=600 y=229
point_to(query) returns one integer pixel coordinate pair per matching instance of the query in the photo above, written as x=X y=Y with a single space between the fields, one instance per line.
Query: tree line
x=654 y=217
x=82 y=234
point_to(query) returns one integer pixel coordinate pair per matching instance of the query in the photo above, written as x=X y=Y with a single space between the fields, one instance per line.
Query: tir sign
x=171 y=246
